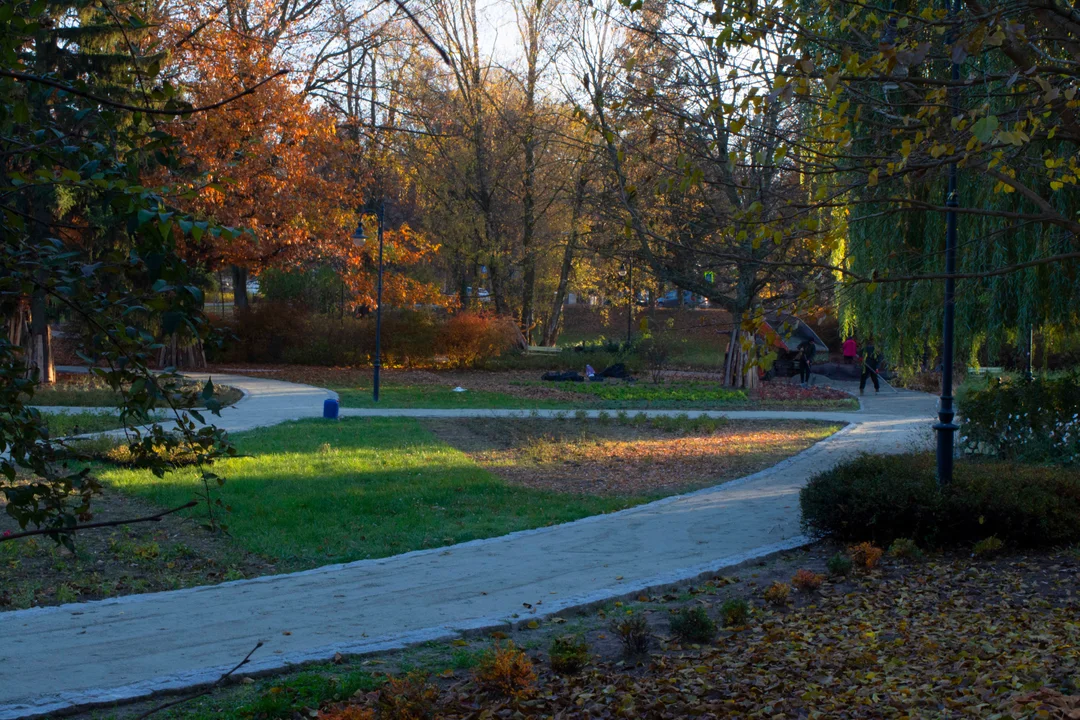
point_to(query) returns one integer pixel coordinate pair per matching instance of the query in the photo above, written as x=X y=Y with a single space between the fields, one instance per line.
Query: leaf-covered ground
x=173 y=553
x=626 y=457
x=948 y=637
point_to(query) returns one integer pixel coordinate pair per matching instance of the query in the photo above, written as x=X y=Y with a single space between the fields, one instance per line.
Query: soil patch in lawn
x=626 y=457
x=145 y=557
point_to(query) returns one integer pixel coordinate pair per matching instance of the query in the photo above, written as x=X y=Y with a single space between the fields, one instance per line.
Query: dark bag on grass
x=567 y=376
x=618 y=370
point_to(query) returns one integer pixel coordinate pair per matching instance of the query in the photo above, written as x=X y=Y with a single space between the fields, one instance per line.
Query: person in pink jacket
x=851 y=350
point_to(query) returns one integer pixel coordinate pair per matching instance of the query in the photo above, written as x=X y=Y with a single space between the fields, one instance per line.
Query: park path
x=77 y=655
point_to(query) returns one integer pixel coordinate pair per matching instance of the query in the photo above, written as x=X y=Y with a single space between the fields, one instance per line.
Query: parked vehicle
x=671 y=299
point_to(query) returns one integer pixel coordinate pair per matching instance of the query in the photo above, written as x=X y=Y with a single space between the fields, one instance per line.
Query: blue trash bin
x=330 y=409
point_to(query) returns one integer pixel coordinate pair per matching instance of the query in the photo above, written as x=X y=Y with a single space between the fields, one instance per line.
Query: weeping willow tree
x=884 y=120
x=992 y=310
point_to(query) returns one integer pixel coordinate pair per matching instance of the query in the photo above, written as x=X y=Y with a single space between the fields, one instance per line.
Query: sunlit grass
x=312 y=493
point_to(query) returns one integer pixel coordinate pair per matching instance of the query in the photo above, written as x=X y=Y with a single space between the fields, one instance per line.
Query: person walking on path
x=806 y=357
x=850 y=349
x=870 y=368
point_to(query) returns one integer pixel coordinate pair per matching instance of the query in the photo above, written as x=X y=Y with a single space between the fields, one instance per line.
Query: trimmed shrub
x=274 y=332
x=469 y=338
x=569 y=654
x=693 y=624
x=1035 y=420
x=882 y=498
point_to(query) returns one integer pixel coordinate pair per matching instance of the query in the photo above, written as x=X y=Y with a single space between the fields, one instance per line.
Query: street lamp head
x=359 y=237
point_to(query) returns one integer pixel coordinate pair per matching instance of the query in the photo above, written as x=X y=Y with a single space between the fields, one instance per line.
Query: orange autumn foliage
x=273 y=163
x=268 y=162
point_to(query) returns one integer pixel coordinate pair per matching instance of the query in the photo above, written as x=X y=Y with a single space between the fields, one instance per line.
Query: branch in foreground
x=27 y=77
x=106 y=523
x=205 y=691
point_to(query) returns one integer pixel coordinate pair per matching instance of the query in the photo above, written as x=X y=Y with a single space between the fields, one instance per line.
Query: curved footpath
x=78 y=655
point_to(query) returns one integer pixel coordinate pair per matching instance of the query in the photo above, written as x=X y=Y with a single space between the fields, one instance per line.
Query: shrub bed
x=281 y=333
x=1034 y=420
x=883 y=498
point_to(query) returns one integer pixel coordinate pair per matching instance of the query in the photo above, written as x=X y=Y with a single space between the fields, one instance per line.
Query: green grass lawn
x=313 y=493
x=643 y=394
x=85 y=390
x=612 y=396
x=437 y=397
x=62 y=424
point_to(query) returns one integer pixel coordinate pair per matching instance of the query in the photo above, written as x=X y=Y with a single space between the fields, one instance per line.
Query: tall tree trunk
x=734 y=350
x=240 y=281
x=498 y=293
x=39 y=354
x=528 y=227
x=551 y=332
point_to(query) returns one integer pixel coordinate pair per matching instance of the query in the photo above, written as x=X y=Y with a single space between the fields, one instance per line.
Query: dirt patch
x=625 y=458
x=107 y=562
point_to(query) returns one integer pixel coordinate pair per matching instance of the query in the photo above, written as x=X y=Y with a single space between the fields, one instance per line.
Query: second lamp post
x=359 y=237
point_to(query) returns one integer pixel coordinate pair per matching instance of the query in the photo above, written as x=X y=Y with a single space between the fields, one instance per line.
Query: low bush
x=839 y=565
x=350 y=712
x=807 y=580
x=693 y=624
x=1029 y=420
x=882 y=498
x=657 y=352
x=777 y=593
x=569 y=654
x=735 y=612
x=281 y=333
x=410 y=697
x=507 y=671
x=988 y=546
x=865 y=555
x=905 y=549
x=634 y=634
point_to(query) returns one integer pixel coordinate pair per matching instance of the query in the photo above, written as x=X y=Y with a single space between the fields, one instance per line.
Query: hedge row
x=280 y=333
x=885 y=497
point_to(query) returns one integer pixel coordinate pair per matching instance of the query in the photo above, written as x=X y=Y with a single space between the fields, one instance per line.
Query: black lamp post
x=359 y=237
x=945 y=426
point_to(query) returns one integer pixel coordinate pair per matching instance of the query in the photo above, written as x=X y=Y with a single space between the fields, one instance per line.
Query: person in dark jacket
x=806 y=357
x=871 y=361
